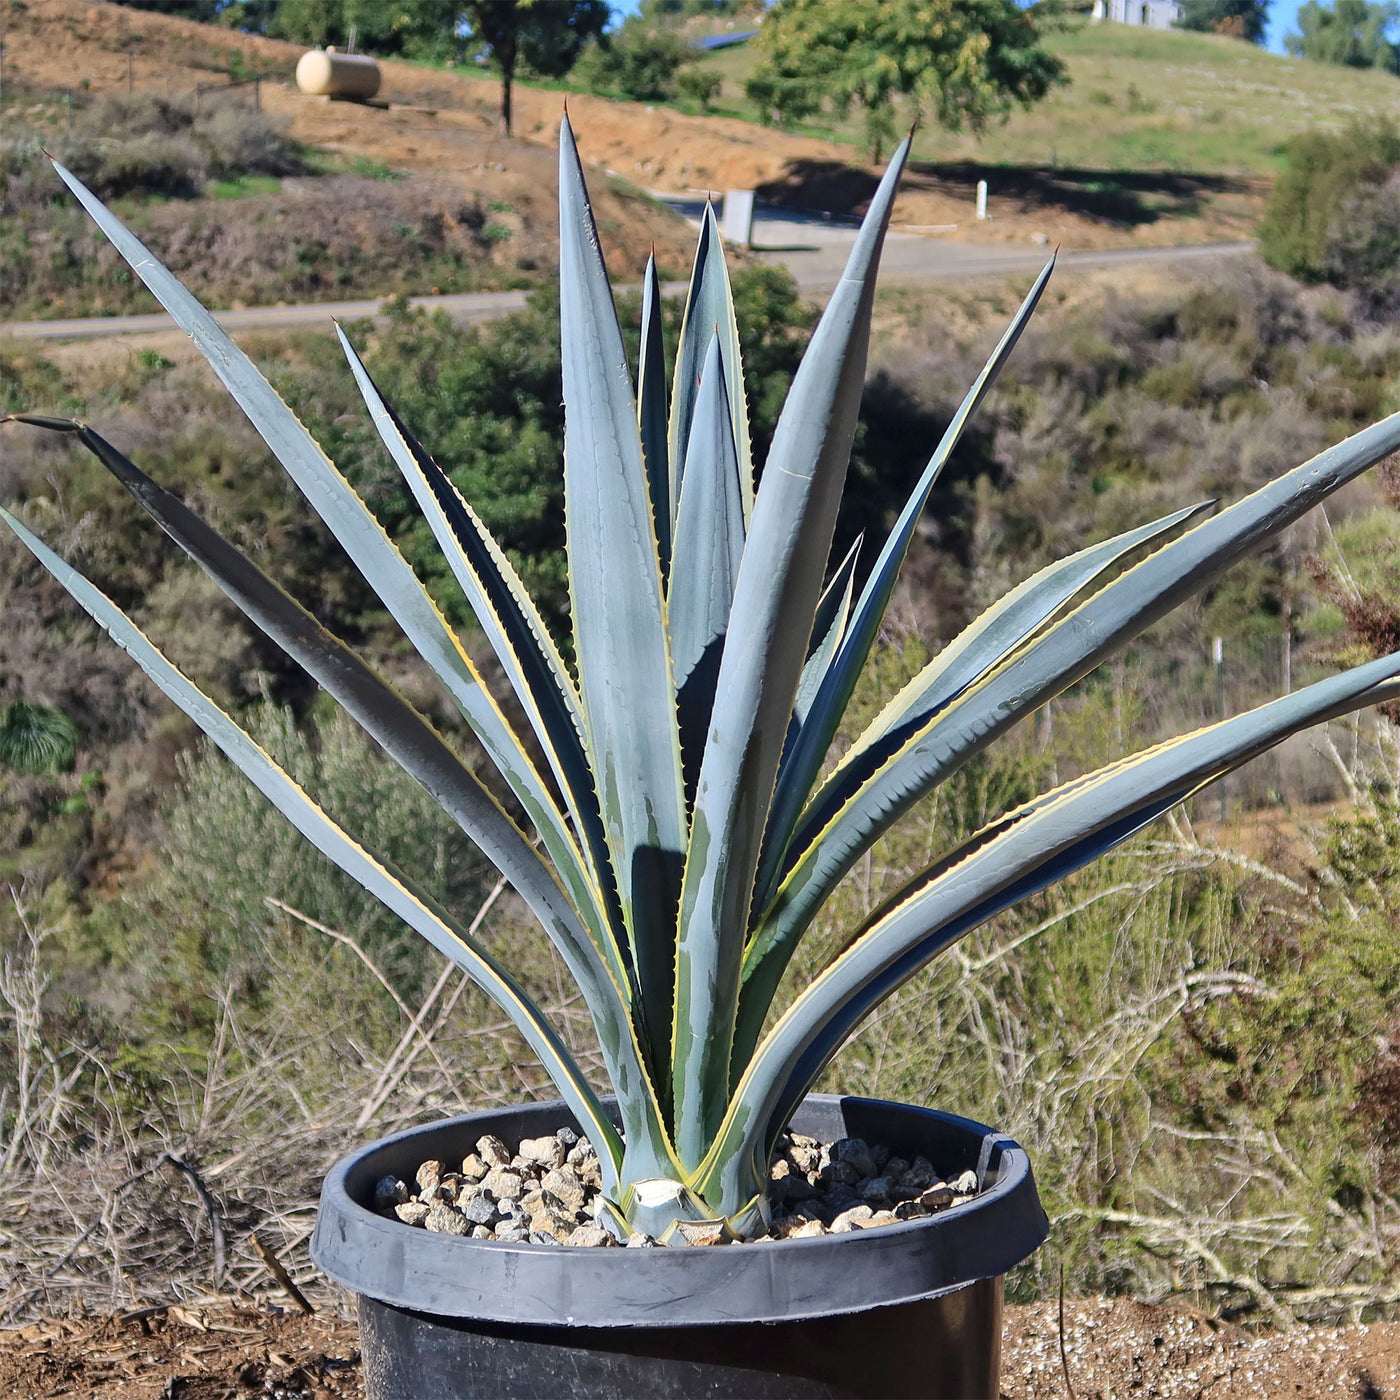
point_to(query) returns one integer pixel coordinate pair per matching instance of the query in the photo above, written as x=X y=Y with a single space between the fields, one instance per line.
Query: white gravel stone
x=850 y=1219
x=589 y=1237
x=446 y=1220
x=548 y=1152
x=504 y=1185
x=492 y=1151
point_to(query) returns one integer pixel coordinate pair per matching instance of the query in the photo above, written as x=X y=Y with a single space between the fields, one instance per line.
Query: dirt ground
x=239 y=1350
x=444 y=123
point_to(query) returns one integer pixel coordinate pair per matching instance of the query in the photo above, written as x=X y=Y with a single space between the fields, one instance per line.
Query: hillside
x=441 y=123
x=1143 y=100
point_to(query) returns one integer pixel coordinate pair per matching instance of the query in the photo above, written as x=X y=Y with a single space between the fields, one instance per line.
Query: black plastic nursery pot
x=903 y=1310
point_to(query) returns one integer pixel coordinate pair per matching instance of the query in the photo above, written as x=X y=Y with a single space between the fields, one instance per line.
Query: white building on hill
x=1148 y=14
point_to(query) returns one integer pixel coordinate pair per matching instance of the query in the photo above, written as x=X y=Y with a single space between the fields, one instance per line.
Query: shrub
x=145 y=144
x=1362 y=251
x=36 y=738
x=1324 y=171
x=699 y=85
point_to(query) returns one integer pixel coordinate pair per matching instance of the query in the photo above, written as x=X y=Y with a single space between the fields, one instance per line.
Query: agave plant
x=694 y=816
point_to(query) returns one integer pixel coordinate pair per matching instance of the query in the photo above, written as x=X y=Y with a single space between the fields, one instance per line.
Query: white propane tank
x=326 y=73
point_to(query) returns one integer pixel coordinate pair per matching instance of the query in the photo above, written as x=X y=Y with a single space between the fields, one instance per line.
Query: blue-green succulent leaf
x=709 y=529
x=801 y=768
x=779 y=584
x=374 y=704
x=709 y=311
x=828 y=627
x=619 y=621
x=521 y=641
x=414 y=907
x=1014 y=619
x=872 y=788
x=653 y=418
x=404 y=735
x=360 y=534
x=1016 y=856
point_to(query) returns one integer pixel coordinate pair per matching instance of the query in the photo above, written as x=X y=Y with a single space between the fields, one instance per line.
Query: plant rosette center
x=549 y=1192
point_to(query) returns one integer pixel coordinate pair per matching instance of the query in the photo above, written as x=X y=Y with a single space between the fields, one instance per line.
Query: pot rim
x=779 y=1280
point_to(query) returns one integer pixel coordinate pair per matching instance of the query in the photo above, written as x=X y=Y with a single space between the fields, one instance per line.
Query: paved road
x=813 y=248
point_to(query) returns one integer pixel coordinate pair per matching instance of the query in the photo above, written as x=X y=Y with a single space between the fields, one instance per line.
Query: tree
x=1244 y=19
x=639 y=61
x=1350 y=32
x=546 y=35
x=963 y=62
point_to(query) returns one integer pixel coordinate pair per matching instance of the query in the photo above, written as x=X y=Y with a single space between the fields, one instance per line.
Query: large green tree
x=1246 y=19
x=1355 y=33
x=960 y=62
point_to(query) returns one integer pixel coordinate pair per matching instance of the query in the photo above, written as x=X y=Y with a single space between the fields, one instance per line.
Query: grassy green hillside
x=1139 y=99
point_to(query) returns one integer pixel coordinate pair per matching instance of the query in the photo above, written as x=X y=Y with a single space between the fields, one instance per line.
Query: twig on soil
x=1064 y=1356
x=276 y=1269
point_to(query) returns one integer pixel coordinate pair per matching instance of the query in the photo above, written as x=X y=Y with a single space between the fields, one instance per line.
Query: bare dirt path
x=238 y=1350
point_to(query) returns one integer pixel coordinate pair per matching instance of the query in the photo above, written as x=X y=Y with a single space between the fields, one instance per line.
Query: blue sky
x=1282 y=20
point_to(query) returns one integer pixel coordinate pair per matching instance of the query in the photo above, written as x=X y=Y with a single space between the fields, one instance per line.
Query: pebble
x=446 y=1220
x=850 y=1219
x=412 y=1212
x=492 y=1151
x=547 y=1152
x=503 y=1185
x=548 y=1191
x=389 y=1192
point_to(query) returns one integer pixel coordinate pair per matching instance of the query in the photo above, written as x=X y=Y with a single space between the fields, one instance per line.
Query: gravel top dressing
x=548 y=1191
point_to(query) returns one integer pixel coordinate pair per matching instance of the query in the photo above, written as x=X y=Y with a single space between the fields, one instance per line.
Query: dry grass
x=120 y=1188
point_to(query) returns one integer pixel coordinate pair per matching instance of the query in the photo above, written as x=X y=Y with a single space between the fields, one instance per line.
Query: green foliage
x=1353 y=33
x=639 y=62
x=1244 y=19
x=1308 y=206
x=961 y=62
x=699 y=86
x=36 y=738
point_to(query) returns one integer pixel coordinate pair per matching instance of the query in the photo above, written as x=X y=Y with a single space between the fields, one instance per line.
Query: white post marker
x=737 y=221
x=981 y=199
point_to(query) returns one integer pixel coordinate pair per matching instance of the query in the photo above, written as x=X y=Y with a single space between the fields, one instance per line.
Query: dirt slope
x=446 y=125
